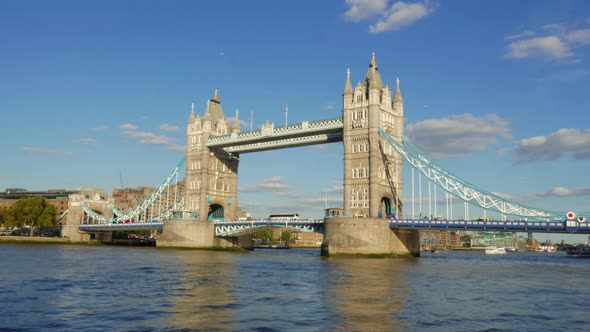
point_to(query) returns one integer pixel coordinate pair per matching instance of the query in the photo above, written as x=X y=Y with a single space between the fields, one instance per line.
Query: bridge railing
x=248 y=136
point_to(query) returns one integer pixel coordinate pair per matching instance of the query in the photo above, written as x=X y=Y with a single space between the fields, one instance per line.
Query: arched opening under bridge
x=215 y=212
x=387 y=208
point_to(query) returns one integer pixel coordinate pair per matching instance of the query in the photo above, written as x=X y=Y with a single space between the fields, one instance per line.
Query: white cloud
x=457 y=135
x=35 y=150
x=330 y=106
x=549 y=47
x=554 y=146
x=145 y=137
x=271 y=184
x=558 y=43
x=86 y=140
x=169 y=128
x=526 y=33
x=243 y=123
x=364 y=9
x=566 y=192
x=579 y=37
x=336 y=189
x=100 y=128
x=128 y=126
x=397 y=16
x=400 y=15
x=176 y=147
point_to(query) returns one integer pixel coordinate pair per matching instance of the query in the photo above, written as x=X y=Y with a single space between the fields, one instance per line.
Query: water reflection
x=203 y=297
x=369 y=293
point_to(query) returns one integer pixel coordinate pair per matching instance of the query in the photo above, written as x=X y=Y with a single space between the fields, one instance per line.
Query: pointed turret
x=347 y=86
x=373 y=79
x=398 y=93
x=398 y=101
x=207 y=115
x=236 y=125
x=214 y=108
x=215 y=97
x=192 y=116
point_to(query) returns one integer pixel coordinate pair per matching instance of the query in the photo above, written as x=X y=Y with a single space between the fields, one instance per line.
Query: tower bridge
x=371 y=131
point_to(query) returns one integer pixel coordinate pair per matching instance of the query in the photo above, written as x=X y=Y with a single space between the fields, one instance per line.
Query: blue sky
x=95 y=93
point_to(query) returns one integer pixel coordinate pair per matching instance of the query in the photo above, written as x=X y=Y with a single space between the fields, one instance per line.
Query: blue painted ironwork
x=137 y=211
x=462 y=189
x=121 y=227
x=229 y=228
x=232 y=228
x=569 y=226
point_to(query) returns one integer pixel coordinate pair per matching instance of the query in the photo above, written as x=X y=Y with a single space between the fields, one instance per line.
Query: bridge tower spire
x=211 y=174
x=372 y=171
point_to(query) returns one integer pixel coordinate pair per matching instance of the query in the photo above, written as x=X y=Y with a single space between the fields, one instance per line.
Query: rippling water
x=98 y=288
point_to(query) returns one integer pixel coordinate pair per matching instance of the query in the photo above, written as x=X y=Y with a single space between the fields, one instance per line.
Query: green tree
x=285 y=236
x=33 y=212
x=3 y=217
x=263 y=235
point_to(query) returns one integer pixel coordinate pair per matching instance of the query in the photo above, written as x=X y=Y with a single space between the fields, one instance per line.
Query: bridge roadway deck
x=229 y=227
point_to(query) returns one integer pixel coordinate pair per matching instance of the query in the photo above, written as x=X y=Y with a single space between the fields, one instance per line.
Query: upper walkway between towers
x=271 y=137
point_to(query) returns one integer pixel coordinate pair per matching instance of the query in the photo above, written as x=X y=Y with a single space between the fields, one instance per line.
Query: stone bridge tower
x=372 y=169
x=211 y=180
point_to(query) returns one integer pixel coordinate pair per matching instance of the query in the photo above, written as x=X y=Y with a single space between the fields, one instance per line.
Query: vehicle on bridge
x=284 y=216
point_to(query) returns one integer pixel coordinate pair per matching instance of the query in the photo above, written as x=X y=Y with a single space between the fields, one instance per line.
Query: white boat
x=495 y=251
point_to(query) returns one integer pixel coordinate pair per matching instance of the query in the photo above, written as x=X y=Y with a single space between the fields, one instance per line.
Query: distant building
x=432 y=239
x=126 y=199
x=56 y=197
x=334 y=212
x=493 y=239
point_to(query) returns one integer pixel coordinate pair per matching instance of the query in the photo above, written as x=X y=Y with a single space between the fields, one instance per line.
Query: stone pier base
x=368 y=237
x=72 y=232
x=198 y=235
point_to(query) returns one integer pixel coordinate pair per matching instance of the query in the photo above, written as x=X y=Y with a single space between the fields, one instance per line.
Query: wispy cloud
x=526 y=33
x=566 y=192
x=330 y=106
x=243 y=123
x=176 y=148
x=363 y=9
x=274 y=183
x=36 y=150
x=457 y=135
x=554 y=146
x=144 y=137
x=393 y=18
x=401 y=14
x=335 y=189
x=549 y=47
x=555 y=42
x=100 y=128
x=128 y=126
x=86 y=140
x=169 y=128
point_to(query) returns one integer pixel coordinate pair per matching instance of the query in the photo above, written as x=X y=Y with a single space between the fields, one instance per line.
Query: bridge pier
x=198 y=235
x=368 y=237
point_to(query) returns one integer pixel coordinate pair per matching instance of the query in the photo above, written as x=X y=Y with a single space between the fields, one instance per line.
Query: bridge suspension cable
x=462 y=189
x=144 y=207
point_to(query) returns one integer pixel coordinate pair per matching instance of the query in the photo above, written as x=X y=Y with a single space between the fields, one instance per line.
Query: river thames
x=98 y=288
